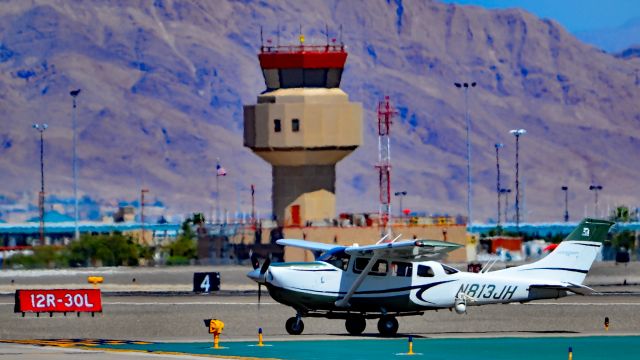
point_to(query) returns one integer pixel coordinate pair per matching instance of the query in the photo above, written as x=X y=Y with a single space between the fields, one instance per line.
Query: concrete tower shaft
x=303 y=124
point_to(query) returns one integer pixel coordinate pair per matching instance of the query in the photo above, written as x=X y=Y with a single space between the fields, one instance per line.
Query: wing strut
x=344 y=302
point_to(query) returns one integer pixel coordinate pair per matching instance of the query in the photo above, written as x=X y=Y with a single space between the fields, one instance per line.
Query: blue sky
x=574 y=15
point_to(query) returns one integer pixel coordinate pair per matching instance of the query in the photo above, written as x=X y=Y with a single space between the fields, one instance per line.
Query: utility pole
x=142 y=204
x=465 y=86
x=400 y=194
x=517 y=133
x=566 y=203
x=41 y=128
x=74 y=94
x=595 y=189
x=498 y=146
x=506 y=192
x=253 y=205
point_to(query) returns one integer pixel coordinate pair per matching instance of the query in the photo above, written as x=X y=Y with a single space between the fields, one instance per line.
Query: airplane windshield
x=449 y=270
x=339 y=259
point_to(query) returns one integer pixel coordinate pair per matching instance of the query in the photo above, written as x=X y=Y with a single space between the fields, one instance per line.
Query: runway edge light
x=570 y=353
x=410 y=345
x=260 y=337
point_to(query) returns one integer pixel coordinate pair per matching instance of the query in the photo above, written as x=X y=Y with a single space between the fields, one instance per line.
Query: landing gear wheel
x=294 y=326
x=388 y=326
x=355 y=324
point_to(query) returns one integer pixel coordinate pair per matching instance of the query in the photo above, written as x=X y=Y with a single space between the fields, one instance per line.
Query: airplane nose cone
x=255 y=275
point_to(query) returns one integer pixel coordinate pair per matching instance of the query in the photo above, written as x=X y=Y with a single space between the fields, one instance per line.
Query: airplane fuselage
x=394 y=286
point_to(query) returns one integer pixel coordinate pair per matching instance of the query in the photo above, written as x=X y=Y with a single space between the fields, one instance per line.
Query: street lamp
x=595 y=189
x=142 y=204
x=517 y=133
x=41 y=128
x=506 y=193
x=566 y=203
x=74 y=94
x=465 y=86
x=498 y=146
x=400 y=194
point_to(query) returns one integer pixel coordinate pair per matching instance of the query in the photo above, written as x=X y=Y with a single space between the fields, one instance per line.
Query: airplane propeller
x=255 y=263
x=263 y=271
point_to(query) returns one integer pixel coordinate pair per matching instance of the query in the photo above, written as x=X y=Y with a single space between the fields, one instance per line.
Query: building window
x=277 y=127
x=295 y=125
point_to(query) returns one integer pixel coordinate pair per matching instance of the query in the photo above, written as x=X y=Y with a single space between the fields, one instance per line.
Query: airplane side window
x=378 y=269
x=401 y=269
x=425 y=271
x=449 y=270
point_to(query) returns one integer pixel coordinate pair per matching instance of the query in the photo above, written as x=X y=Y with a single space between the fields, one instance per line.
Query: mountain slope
x=164 y=82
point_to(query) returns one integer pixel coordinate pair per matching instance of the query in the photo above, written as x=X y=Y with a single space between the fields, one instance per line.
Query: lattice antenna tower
x=385 y=119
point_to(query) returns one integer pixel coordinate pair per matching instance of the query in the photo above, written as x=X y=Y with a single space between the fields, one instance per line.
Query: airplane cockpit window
x=378 y=269
x=339 y=259
x=449 y=270
x=401 y=269
x=425 y=271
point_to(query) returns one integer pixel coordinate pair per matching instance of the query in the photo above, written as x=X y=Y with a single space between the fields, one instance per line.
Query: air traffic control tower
x=303 y=124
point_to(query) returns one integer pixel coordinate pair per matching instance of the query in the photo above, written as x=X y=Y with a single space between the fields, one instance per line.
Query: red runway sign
x=58 y=300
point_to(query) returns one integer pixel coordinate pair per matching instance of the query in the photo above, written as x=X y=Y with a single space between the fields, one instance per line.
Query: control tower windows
x=333 y=78
x=315 y=78
x=277 y=126
x=300 y=77
x=291 y=78
x=295 y=125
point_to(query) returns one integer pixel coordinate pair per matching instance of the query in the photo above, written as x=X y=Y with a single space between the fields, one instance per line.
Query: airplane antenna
x=396 y=238
x=382 y=238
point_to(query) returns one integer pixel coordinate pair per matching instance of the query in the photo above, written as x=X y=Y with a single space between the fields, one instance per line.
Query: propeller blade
x=259 y=294
x=265 y=266
x=254 y=260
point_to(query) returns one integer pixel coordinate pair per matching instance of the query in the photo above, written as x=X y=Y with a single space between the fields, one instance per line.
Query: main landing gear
x=354 y=323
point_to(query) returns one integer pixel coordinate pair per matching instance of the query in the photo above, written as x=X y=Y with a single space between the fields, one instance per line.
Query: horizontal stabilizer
x=574 y=288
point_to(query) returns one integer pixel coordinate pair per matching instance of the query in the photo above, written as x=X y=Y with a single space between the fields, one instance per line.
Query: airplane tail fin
x=571 y=260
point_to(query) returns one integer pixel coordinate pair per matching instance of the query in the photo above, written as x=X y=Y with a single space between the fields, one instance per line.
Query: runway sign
x=206 y=282
x=58 y=300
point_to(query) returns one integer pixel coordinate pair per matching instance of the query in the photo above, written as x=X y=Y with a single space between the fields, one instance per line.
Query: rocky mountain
x=163 y=83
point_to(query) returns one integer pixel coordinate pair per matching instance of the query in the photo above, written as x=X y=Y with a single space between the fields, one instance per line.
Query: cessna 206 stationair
x=387 y=280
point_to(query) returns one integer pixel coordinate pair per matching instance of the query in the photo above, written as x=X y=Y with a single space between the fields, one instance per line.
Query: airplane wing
x=574 y=288
x=406 y=249
x=309 y=245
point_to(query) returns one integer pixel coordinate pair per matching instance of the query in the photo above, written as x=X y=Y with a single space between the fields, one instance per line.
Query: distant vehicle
x=388 y=280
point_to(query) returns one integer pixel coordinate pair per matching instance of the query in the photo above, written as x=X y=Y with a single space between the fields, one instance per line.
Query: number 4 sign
x=205 y=282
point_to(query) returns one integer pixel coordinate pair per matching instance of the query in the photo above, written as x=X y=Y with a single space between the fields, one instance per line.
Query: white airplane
x=393 y=279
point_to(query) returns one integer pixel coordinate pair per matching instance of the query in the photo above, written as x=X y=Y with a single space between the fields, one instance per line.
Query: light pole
x=400 y=194
x=498 y=146
x=517 y=133
x=41 y=128
x=142 y=203
x=465 y=86
x=506 y=193
x=595 y=189
x=74 y=94
x=566 y=203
